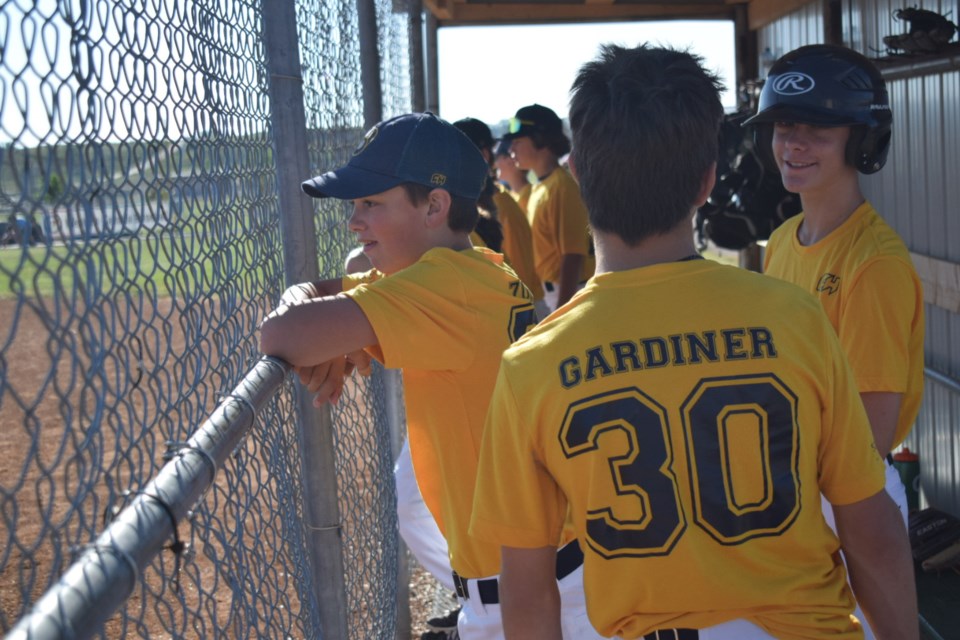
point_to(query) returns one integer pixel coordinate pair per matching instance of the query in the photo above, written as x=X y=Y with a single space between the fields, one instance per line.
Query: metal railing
x=146 y=173
x=106 y=574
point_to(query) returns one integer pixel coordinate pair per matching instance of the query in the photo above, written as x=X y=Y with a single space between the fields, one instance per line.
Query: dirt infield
x=43 y=526
x=53 y=456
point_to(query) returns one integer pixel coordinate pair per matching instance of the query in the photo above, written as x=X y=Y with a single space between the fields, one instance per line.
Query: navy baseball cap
x=477 y=131
x=534 y=118
x=416 y=147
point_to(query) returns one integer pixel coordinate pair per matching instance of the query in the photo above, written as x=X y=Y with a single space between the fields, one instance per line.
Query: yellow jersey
x=559 y=223
x=445 y=321
x=689 y=415
x=517 y=241
x=864 y=278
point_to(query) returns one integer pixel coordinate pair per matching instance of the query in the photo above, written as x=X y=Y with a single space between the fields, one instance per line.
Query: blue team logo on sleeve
x=522 y=318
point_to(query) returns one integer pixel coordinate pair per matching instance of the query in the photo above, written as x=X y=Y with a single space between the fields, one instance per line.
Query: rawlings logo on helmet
x=793 y=83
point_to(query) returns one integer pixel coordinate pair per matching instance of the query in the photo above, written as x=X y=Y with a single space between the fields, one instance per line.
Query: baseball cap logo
x=438 y=179
x=367 y=139
x=793 y=83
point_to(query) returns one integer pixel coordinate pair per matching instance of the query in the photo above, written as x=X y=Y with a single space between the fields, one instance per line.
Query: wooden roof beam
x=450 y=13
x=762 y=12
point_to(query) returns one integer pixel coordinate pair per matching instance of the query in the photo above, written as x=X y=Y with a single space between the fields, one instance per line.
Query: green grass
x=156 y=263
x=39 y=271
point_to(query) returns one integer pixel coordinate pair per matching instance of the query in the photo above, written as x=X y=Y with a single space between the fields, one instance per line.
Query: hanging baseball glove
x=929 y=32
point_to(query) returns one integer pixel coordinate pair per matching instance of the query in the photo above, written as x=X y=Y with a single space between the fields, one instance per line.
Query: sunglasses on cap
x=516 y=124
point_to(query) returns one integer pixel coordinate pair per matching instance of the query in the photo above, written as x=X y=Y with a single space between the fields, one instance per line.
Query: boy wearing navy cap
x=433 y=306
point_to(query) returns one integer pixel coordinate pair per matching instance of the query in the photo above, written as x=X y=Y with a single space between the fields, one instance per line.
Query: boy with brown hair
x=686 y=415
x=562 y=249
x=435 y=307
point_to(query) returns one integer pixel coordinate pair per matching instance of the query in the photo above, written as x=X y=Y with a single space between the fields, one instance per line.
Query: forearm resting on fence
x=309 y=290
x=315 y=331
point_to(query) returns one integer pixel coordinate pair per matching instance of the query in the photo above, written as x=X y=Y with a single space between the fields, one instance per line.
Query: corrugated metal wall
x=918 y=192
x=804 y=26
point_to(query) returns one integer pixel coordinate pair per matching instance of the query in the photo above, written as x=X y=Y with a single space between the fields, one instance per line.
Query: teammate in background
x=513 y=178
x=687 y=413
x=357 y=261
x=838 y=247
x=517 y=239
x=561 y=244
x=434 y=307
x=824 y=112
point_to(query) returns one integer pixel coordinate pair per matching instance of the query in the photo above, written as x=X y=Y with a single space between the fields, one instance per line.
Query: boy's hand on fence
x=361 y=361
x=325 y=380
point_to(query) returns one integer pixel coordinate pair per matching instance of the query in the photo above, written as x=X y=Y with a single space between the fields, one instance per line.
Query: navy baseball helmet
x=833 y=86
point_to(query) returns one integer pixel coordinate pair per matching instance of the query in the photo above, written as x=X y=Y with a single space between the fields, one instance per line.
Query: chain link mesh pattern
x=140 y=248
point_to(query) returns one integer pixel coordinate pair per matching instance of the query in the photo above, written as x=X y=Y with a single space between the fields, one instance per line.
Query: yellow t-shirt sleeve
x=421 y=318
x=876 y=324
x=516 y=502
x=352 y=280
x=851 y=468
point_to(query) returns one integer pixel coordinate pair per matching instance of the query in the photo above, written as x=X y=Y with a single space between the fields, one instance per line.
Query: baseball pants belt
x=673 y=634
x=569 y=559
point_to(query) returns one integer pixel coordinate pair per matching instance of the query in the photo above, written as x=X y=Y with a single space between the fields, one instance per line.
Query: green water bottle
x=907 y=464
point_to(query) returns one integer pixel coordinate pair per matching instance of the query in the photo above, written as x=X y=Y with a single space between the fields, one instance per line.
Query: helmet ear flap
x=867 y=147
x=763 y=145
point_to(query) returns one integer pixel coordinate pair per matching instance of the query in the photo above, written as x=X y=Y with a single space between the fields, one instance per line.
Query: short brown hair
x=463 y=211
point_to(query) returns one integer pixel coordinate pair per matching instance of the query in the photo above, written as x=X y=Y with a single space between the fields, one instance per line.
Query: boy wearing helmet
x=824 y=115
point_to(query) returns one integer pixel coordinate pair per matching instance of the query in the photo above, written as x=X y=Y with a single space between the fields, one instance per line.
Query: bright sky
x=490 y=72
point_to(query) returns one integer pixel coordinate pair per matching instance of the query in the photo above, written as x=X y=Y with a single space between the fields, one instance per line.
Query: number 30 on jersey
x=730 y=506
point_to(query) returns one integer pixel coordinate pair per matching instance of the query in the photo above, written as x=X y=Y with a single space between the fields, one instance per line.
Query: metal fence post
x=318 y=470
x=433 y=73
x=396 y=421
x=418 y=89
x=369 y=63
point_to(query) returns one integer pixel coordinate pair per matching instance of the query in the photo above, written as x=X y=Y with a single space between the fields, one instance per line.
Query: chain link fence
x=140 y=245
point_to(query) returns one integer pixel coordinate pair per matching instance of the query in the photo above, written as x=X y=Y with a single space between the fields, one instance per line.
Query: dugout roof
x=500 y=12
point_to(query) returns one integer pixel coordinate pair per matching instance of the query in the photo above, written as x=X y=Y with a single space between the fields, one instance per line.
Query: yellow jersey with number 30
x=689 y=414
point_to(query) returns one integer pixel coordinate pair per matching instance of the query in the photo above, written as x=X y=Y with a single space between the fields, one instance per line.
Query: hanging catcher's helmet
x=829 y=85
